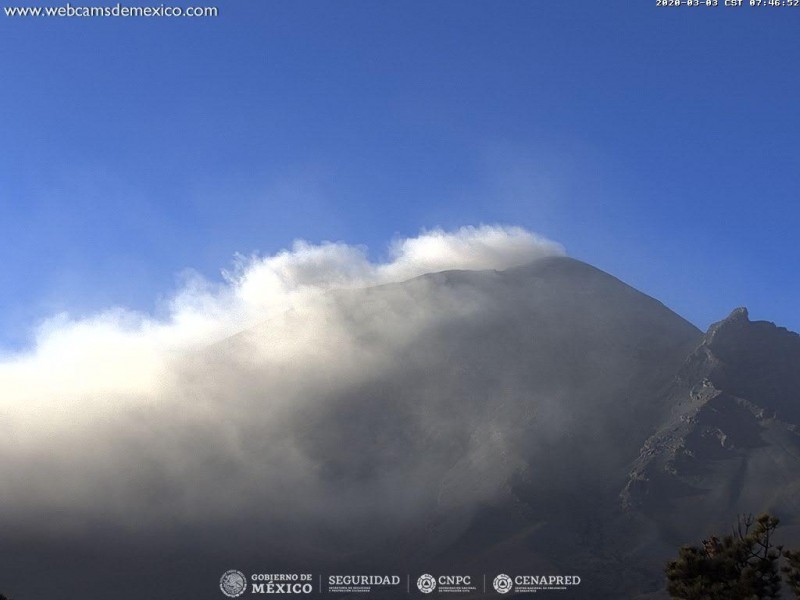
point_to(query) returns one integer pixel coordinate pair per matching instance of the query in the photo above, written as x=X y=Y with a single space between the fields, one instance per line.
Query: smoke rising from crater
x=226 y=406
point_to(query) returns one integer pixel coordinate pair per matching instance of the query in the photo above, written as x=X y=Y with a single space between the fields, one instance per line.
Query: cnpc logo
x=427 y=583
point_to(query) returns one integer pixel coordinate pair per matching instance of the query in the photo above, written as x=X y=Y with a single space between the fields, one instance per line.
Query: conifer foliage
x=743 y=565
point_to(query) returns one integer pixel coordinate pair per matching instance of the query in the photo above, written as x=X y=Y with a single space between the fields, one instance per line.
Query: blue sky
x=657 y=144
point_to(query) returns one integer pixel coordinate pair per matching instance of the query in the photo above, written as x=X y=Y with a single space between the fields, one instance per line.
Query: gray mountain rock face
x=515 y=425
x=732 y=443
x=547 y=419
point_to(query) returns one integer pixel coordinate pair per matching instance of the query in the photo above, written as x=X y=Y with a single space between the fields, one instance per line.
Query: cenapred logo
x=426 y=583
x=531 y=584
x=502 y=583
x=233 y=583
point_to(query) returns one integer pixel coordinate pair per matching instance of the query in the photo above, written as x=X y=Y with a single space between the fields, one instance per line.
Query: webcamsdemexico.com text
x=117 y=10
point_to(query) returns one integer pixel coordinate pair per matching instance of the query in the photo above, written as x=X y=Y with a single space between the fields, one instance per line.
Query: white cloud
x=124 y=413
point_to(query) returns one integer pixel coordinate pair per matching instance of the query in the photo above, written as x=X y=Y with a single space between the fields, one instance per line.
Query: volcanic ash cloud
x=130 y=418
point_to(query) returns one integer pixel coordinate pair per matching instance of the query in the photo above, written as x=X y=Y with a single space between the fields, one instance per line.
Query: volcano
x=546 y=419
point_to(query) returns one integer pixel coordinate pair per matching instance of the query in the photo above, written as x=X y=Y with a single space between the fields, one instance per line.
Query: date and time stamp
x=730 y=3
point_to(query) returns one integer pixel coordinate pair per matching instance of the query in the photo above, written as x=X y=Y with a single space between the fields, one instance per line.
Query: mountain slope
x=518 y=409
x=547 y=419
x=732 y=444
